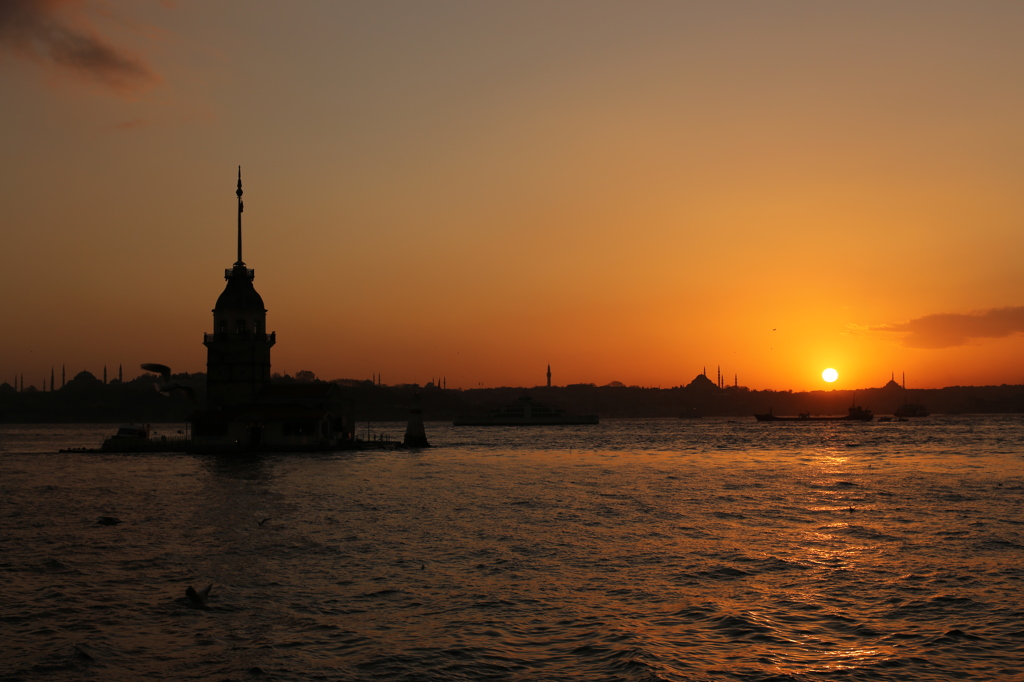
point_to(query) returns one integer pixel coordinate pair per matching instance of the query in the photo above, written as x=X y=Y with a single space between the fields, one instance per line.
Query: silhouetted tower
x=52 y=385
x=120 y=373
x=549 y=375
x=415 y=435
x=104 y=374
x=63 y=374
x=238 y=350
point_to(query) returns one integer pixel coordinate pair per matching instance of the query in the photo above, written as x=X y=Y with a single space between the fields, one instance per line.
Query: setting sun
x=830 y=375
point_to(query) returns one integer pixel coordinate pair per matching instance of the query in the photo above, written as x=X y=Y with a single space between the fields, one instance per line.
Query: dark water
x=634 y=550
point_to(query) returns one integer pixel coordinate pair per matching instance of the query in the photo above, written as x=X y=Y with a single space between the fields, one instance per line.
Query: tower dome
x=239 y=295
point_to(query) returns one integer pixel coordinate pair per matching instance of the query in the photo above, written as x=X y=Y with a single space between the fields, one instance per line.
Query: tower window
x=240 y=327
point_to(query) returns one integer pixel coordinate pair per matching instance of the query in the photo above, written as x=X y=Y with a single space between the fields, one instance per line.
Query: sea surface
x=706 y=549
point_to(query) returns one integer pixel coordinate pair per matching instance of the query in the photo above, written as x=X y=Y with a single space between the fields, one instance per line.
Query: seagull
x=263 y=521
x=168 y=386
x=197 y=600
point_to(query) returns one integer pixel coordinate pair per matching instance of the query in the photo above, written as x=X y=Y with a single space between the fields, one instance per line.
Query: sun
x=830 y=375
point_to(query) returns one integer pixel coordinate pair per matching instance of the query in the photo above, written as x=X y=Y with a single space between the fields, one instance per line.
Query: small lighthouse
x=415 y=434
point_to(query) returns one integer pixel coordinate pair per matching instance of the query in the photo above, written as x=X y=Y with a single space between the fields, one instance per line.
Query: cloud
x=55 y=32
x=946 y=330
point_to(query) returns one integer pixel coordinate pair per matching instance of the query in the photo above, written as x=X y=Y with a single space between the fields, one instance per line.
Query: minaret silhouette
x=51 y=378
x=63 y=369
x=549 y=375
x=238 y=350
x=104 y=374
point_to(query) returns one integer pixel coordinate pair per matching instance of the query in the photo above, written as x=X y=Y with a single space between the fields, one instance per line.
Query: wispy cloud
x=56 y=33
x=946 y=330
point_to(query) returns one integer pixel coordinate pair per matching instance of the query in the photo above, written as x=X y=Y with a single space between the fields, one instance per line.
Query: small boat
x=138 y=438
x=855 y=413
x=526 y=412
x=129 y=438
x=131 y=432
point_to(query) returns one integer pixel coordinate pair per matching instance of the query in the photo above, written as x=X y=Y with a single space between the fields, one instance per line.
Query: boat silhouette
x=854 y=413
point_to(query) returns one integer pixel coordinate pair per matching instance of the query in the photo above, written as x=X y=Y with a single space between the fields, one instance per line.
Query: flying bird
x=168 y=386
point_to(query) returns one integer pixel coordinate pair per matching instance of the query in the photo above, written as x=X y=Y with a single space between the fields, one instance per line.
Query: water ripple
x=639 y=550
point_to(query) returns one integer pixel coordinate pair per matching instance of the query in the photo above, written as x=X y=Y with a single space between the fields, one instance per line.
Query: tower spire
x=238 y=193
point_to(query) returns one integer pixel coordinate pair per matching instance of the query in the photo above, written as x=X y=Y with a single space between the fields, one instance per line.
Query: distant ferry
x=526 y=412
x=911 y=410
x=859 y=414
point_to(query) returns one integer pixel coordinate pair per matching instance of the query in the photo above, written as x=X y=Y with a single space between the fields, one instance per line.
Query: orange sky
x=629 y=191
